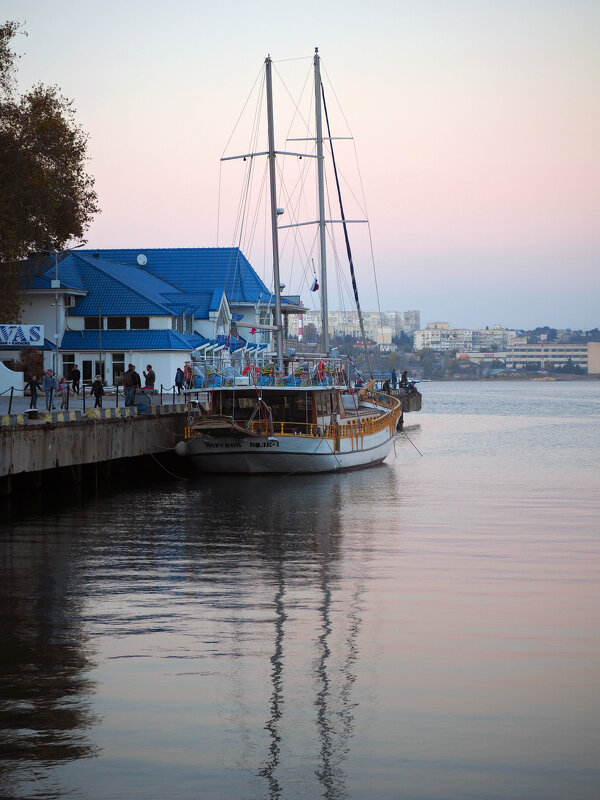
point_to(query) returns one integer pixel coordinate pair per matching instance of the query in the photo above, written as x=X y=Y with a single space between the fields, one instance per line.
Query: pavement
x=20 y=404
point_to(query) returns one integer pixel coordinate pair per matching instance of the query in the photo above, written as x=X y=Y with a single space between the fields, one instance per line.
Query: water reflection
x=240 y=584
x=44 y=692
x=269 y=769
x=296 y=519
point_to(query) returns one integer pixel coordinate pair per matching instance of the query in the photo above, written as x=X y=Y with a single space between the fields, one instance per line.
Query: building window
x=90 y=323
x=118 y=368
x=139 y=323
x=116 y=323
x=68 y=359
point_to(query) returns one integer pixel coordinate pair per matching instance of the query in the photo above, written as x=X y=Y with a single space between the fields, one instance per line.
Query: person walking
x=98 y=391
x=131 y=383
x=75 y=379
x=149 y=377
x=33 y=386
x=49 y=386
x=63 y=391
x=179 y=380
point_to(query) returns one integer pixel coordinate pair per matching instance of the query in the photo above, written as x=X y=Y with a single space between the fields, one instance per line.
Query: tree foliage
x=46 y=196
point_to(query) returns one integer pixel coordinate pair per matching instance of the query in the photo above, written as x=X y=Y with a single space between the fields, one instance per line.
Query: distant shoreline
x=516 y=378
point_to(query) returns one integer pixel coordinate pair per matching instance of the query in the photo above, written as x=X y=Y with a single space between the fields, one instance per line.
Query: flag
x=315 y=285
x=253 y=331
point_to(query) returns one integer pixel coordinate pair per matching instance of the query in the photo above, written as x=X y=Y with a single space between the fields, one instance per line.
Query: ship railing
x=350 y=429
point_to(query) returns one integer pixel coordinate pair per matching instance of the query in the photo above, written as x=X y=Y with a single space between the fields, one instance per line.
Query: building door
x=86 y=371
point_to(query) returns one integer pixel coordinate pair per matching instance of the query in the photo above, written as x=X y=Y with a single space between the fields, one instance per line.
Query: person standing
x=33 y=386
x=404 y=380
x=49 y=386
x=131 y=383
x=179 y=380
x=75 y=378
x=149 y=377
x=394 y=379
x=98 y=391
x=63 y=391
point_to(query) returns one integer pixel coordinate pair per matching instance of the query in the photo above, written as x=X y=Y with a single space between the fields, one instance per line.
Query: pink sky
x=476 y=125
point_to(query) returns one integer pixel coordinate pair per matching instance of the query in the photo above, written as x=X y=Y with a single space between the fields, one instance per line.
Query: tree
x=31 y=362
x=46 y=196
x=427 y=359
x=310 y=332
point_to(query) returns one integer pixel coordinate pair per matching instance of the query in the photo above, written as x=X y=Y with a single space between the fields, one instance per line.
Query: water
x=428 y=628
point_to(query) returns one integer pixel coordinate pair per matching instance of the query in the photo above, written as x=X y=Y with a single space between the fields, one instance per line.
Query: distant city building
x=439 y=336
x=380 y=327
x=411 y=321
x=542 y=356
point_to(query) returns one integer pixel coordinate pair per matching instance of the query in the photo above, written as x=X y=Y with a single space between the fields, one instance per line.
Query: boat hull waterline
x=285 y=454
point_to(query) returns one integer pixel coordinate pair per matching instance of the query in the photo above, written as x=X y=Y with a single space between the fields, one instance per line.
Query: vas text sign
x=21 y=336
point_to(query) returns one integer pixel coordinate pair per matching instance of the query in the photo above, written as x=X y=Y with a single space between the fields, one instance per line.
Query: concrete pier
x=29 y=451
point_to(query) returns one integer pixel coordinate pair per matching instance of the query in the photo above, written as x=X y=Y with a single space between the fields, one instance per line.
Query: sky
x=476 y=125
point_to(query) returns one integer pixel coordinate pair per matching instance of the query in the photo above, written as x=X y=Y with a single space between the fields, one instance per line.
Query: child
x=33 y=386
x=98 y=391
x=63 y=391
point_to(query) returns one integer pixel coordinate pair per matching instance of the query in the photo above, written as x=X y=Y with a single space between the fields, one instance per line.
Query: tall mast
x=321 y=182
x=274 y=233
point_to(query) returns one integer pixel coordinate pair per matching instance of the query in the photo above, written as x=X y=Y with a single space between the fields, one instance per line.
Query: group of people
x=403 y=380
x=132 y=383
x=403 y=384
x=54 y=388
x=51 y=388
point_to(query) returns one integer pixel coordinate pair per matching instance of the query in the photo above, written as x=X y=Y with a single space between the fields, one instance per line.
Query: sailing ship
x=297 y=414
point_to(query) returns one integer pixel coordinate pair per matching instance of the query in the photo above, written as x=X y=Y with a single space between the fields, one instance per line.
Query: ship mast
x=274 y=232
x=321 y=186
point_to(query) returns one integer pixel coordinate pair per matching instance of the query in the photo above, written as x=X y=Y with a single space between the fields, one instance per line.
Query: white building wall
x=9 y=377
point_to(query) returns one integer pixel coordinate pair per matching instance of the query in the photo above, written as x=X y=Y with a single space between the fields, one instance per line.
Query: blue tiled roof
x=196 y=269
x=196 y=303
x=130 y=340
x=120 y=290
x=38 y=273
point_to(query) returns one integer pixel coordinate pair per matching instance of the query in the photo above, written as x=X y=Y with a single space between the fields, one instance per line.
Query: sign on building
x=20 y=336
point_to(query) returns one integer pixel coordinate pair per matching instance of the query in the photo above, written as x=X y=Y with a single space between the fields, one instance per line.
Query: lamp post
x=55 y=284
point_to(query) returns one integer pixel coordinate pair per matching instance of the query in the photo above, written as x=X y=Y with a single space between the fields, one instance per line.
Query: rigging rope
x=347 y=240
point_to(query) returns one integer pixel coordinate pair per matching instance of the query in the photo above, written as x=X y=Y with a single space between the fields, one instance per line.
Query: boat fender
x=181 y=448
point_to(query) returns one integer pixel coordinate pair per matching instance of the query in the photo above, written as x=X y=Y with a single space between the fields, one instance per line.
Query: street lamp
x=55 y=284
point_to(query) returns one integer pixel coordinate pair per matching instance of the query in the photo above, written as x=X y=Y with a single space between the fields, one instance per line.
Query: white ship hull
x=287 y=454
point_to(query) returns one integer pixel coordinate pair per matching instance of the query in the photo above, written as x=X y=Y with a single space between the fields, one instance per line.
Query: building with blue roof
x=146 y=306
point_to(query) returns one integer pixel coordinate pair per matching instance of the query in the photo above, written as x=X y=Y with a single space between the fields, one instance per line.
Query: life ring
x=321 y=371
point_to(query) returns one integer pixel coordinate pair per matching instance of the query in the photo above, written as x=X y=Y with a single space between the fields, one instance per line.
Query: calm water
x=428 y=628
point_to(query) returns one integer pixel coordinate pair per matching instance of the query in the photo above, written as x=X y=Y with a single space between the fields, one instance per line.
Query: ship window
x=323 y=403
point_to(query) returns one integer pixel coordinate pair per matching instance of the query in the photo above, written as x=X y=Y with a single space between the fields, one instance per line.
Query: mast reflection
x=269 y=769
